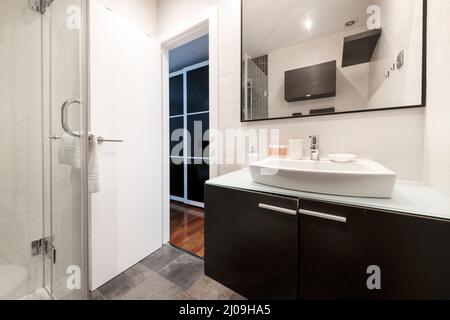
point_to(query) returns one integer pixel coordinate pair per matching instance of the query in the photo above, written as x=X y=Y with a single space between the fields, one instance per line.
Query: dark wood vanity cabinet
x=248 y=248
x=331 y=252
x=412 y=254
x=323 y=252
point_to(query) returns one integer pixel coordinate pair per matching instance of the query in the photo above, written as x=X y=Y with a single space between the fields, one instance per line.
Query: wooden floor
x=187 y=228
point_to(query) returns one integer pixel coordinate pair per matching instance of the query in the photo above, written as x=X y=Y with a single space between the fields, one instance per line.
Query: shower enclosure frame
x=85 y=96
x=45 y=199
x=41 y=6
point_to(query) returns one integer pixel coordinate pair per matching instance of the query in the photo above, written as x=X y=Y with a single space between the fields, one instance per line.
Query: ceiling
x=274 y=24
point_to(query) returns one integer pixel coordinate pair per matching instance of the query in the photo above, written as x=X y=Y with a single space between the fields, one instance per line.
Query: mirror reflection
x=319 y=57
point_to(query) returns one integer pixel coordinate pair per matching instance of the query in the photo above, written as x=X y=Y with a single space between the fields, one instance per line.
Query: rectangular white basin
x=361 y=178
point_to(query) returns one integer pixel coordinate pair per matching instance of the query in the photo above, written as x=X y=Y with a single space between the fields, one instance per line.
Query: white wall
x=401 y=24
x=142 y=13
x=437 y=133
x=174 y=14
x=395 y=138
x=351 y=83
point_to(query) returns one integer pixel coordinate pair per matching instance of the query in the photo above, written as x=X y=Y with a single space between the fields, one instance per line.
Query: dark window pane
x=176 y=124
x=176 y=96
x=198 y=90
x=177 y=178
x=197 y=126
x=198 y=174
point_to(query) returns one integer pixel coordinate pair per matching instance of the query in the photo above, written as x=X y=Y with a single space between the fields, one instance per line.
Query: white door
x=126 y=216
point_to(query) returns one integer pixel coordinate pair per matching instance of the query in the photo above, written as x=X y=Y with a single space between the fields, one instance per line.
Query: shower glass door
x=66 y=164
x=42 y=173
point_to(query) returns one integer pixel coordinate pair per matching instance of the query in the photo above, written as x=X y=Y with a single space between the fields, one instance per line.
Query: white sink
x=361 y=178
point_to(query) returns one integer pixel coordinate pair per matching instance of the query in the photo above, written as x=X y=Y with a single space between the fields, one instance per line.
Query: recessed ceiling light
x=308 y=24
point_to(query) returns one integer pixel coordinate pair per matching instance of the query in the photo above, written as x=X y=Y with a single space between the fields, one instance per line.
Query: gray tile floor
x=168 y=274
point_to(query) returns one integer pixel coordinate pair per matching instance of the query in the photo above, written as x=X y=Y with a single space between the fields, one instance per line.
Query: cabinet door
x=413 y=256
x=331 y=252
x=251 y=242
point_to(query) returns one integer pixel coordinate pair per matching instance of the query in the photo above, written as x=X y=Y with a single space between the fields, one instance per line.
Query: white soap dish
x=342 y=157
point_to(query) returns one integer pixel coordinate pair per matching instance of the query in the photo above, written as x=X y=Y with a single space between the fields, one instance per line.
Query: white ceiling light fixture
x=308 y=24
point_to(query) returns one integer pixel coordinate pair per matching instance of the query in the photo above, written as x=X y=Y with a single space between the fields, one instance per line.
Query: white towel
x=69 y=151
x=93 y=166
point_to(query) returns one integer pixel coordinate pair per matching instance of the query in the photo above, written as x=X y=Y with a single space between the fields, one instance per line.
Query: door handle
x=65 y=123
x=322 y=216
x=64 y=117
x=277 y=209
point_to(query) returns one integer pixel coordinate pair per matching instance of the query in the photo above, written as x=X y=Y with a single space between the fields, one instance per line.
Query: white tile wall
x=437 y=130
x=402 y=30
x=21 y=218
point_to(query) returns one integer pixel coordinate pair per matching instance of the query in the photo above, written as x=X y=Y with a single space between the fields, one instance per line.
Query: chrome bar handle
x=322 y=215
x=102 y=140
x=65 y=123
x=277 y=209
x=99 y=139
x=64 y=117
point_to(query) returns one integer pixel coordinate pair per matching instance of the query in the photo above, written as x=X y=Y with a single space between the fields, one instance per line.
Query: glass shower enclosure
x=43 y=193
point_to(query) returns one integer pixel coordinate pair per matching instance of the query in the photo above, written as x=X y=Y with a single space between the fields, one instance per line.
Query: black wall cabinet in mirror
x=304 y=58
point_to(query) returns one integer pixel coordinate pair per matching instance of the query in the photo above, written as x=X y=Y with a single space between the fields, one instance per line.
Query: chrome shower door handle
x=64 y=117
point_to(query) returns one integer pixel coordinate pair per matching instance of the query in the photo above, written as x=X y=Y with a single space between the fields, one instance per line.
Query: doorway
x=189 y=114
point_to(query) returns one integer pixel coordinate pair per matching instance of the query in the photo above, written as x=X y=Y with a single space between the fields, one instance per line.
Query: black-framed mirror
x=303 y=58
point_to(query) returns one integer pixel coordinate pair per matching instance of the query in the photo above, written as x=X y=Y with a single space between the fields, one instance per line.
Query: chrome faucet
x=314 y=149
